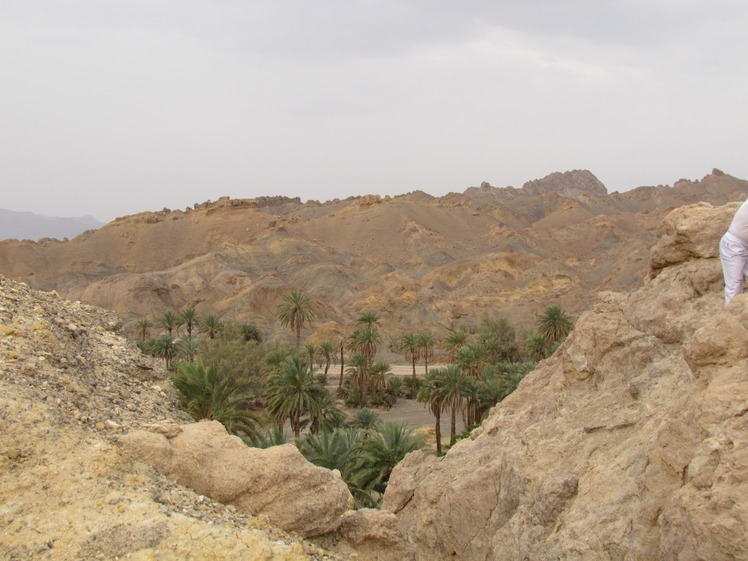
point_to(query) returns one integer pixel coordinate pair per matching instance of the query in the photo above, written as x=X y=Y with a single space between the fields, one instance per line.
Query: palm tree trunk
x=414 y=366
x=453 y=426
x=342 y=365
x=438 y=431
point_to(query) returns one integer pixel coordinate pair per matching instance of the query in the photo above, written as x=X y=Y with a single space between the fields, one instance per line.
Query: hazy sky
x=110 y=107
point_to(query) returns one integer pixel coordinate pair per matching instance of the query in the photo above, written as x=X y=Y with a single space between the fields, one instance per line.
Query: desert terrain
x=422 y=263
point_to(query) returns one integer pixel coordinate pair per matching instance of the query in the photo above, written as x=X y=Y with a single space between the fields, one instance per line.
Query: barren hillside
x=421 y=262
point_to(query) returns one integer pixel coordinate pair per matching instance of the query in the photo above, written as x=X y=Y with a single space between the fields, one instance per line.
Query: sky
x=112 y=107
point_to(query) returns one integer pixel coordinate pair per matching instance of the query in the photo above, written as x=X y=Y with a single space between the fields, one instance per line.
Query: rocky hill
x=629 y=443
x=421 y=262
x=71 y=388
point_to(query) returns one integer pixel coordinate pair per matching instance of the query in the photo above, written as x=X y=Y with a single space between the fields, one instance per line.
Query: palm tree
x=454 y=341
x=169 y=321
x=489 y=390
x=536 y=347
x=187 y=348
x=338 y=449
x=454 y=388
x=327 y=416
x=380 y=372
x=275 y=358
x=554 y=324
x=365 y=341
x=211 y=326
x=271 y=436
x=295 y=311
x=409 y=345
x=369 y=319
x=311 y=351
x=386 y=448
x=342 y=362
x=327 y=350
x=341 y=449
x=426 y=344
x=512 y=374
x=468 y=358
x=163 y=347
x=205 y=394
x=358 y=372
x=250 y=332
x=144 y=325
x=293 y=391
x=188 y=317
x=365 y=419
x=430 y=394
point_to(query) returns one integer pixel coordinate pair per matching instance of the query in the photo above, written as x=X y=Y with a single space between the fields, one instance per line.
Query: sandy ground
x=408 y=410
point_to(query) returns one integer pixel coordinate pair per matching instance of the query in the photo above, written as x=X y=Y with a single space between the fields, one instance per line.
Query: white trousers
x=734 y=255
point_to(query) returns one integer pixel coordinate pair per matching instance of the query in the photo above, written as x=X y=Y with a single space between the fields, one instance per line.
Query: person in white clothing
x=733 y=251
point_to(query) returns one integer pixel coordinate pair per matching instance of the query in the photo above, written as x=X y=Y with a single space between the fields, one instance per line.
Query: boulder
x=690 y=233
x=277 y=482
x=370 y=535
x=631 y=442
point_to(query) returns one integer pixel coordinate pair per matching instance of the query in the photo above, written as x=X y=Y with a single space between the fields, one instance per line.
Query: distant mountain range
x=30 y=226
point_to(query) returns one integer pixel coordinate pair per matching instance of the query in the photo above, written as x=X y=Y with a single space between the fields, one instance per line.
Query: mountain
x=422 y=262
x=630 y=442
x=30 y=226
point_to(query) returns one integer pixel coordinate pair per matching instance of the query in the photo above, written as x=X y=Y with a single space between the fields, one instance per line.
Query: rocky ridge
x=71 y=387
x=629 y=443
x=421 y=261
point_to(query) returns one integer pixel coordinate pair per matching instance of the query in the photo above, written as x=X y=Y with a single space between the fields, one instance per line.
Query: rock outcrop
x=630 y=443
x=568 y=184
x=371 y=535
x=277 y=482
x=70 y=387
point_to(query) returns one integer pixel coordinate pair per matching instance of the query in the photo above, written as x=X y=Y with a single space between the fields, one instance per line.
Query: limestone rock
x=277 y=482
x=631 y=442
x=690 y=233
x=372 y=535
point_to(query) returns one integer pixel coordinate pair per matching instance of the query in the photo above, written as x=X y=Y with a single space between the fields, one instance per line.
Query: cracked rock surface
x=630 y=443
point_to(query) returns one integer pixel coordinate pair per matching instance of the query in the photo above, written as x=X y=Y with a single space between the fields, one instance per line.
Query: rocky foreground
x=71 y=388
x=630 y=443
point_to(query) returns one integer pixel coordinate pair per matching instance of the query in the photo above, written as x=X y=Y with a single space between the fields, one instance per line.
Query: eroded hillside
x=420 y=261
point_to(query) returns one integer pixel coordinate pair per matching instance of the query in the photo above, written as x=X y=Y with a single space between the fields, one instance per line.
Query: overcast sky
x=110 y=107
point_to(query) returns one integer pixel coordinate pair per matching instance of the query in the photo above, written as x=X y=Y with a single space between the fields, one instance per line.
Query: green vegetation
x=227 y=372
x=364 y=457
x=205 y=394
x=293 y=392
x=295 y=311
